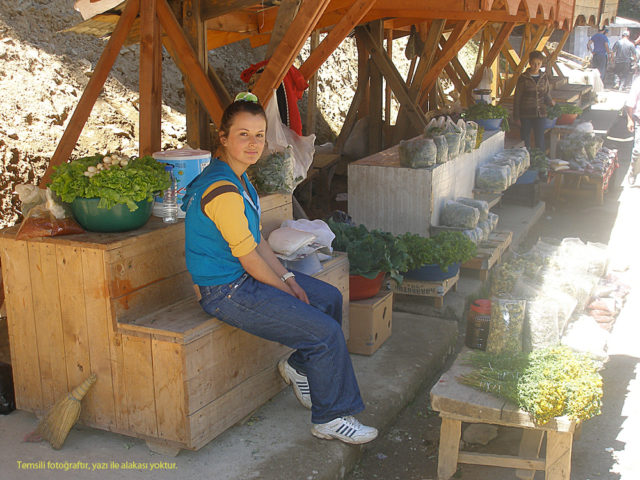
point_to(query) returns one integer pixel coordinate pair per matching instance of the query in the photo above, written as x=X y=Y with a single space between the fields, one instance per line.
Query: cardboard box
x=370 y=323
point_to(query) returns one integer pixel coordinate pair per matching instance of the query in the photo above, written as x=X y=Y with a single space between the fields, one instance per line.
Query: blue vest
x=209 y=258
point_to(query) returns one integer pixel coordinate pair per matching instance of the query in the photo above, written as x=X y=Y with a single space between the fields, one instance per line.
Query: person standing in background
x=598 y=45
x=625 y=59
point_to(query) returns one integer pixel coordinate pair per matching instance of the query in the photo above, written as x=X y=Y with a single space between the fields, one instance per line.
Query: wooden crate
x=123 y=306
x=489 y=253
x=435 y=290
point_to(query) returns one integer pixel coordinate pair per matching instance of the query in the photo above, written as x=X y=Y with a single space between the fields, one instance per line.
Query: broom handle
x=81 y=390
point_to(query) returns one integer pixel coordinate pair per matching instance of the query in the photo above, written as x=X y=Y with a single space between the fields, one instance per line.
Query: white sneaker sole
x=352 y=441
x=288 y=381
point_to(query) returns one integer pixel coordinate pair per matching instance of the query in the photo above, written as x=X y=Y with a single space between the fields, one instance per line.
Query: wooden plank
x=291 y=44
x=168 y=369
x=529 y=447
x=387 y=88
x=448 y=449
x=505 y=461
x=222 y=7
x=375 y=86
x=219 y=87
x=338 y=33
x=73 y=313
x=287 y=11
x=420 y=288
x=98 y=406
x=186 y=59
x=92 y=90
x=312 y=96
x=46 y=309
x=558 y=457
x=150 y=80
x=352 y=114
x=492 y=55
x=195 y=33
x=524 y=58
x=138 y=381
x=22 y=325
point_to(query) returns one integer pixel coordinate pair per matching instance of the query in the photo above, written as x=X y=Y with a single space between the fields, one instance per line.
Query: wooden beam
x=286 y=13
x=454 y=44
x=373 y=43
x=393 y=77
x=387 y=90
x=150 y=80
x=491 y=57
x=221 y=7
x=92 y=90
x=187 y=62
x=352 y=114
x=554 y=56
x=538 y=36
x=312 y=97
x=218 y=86
x=292 y=42
x=347 y=22
x=196 y=116
x=453 y=76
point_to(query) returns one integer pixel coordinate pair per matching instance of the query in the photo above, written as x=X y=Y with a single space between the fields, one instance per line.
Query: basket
x=433 y=273
x=109 y=220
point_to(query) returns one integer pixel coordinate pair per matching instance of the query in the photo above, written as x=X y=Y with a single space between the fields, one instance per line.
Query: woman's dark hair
x=536 y=55
x=235 y=108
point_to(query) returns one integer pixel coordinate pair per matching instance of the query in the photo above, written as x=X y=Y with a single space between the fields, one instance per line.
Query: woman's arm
x=259 y=269
x=264 y=250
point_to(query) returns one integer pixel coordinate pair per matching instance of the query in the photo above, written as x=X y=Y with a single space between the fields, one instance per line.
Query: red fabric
x=294 y=85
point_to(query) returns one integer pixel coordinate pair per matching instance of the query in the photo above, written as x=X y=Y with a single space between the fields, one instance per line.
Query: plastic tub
x=187 y=165
x=308 y=265
x=361 y=287
x=115 y=219
x=433 y=273
x=550 y=123
x=489 y=123
x=567 y=118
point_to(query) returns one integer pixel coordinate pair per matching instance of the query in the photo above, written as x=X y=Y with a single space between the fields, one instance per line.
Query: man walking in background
x=598 y=45
x=625 y=58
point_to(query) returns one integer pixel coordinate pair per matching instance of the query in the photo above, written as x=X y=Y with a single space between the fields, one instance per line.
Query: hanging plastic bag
x=279 y=136
x=48 y=219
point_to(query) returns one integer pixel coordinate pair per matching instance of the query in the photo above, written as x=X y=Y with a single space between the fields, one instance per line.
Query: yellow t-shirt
x=226 y=210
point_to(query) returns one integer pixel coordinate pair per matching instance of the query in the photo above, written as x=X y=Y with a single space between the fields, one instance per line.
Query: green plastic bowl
x=115 y=219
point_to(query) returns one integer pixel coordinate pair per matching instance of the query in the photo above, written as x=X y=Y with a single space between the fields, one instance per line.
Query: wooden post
x=352 y=114
x=387 y=90
x=197 y=118
x=363 y=75
x=375 y=92
x=150 y=129
x=312 y=98
x=449 y=447
x=92 y=90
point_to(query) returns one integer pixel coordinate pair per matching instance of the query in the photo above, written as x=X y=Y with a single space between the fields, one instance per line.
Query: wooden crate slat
x=22 y=325
x=489 y=252
x=138 y=380
x=99 y=405
x=169 y=392
x=46 y=308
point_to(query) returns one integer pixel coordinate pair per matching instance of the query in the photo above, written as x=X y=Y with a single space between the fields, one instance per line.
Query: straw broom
x=56 y=424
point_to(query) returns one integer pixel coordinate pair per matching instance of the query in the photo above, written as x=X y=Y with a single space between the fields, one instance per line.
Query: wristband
x=287 y=276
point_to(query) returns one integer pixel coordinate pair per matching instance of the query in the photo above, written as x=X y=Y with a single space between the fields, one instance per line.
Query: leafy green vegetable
x=539 y=160
x=443 y=249
x=560 y=108
x=274 y=173
x=483 y=111
x=137 y=181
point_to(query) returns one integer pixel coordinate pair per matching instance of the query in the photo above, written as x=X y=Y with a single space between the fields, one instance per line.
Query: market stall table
x=575 y=181
x=459 y=403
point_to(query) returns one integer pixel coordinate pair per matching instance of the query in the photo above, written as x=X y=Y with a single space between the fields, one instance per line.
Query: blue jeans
x=535 y=124
x=313 y=330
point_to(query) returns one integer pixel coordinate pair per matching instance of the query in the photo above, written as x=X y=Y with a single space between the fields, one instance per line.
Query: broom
x=56 y=424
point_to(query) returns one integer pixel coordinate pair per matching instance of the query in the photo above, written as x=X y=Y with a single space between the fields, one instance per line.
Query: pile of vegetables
x=443 y=249
x=561 y=108
x=483 y=111
x=539 y=161
x=546 y=383
x=112 y=178
x=370 y=252
x=274 y=173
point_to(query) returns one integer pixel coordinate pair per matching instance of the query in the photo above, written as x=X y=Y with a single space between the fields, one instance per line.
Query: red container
x=478 y=322
x=361 y=287
x=567 y=118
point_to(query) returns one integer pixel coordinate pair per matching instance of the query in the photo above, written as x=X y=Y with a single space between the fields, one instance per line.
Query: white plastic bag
x=324 y=235
x=287 y=240
x=279 y=136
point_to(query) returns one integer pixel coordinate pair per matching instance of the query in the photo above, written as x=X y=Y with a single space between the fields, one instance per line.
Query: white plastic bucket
x=187 y=165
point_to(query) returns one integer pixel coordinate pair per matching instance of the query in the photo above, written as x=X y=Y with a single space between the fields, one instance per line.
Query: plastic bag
x=48 y=219
x=485 y=226
x=417 y=153
x=472 y=234
x=279 y=136
x=30 y=196
x=471 y=136
x=481 y=205
x=274 y=172
x=493 y=178
x=456 y=214
x=586 y=336
x=505 y=330
x=462 y=126
x=286 y=240
x=435 y=127
x=493 y=219
x=319 y=228
x=442 y=146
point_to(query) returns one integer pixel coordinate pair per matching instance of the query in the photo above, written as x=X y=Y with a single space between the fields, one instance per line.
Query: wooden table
x=459 y=403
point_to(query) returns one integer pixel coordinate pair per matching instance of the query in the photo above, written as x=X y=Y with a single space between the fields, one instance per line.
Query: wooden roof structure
x=190 y=28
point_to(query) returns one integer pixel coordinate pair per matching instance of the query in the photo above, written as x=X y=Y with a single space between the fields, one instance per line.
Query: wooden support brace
x=92 y=90
x=352 y=114
x=286 y=13
x=338 y=33
x=492 y=55
x=291 y=44
x=312 y=98
x=222 y=7
x=532 y=45
x=150 y=128
x=375 y=83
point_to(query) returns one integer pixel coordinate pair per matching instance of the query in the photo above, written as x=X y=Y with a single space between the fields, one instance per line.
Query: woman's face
x=535 y=65
x=245 y=140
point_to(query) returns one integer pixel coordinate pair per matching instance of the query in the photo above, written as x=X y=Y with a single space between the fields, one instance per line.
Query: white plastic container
x=187 y=165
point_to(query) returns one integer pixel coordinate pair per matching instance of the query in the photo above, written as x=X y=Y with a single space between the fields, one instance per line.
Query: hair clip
x=246 y=97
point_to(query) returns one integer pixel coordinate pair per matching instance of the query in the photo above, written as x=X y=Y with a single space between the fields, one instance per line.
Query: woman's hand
x=297 y=290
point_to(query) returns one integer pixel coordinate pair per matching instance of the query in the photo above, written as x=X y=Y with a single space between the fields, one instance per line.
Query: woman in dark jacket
x=533 y=95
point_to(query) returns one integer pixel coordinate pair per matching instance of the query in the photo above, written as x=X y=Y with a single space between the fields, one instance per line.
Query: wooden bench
x=123 y=306
x=459 y=403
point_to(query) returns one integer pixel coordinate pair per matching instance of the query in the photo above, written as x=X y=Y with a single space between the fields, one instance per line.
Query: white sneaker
x=298 y=381
x=347 y=429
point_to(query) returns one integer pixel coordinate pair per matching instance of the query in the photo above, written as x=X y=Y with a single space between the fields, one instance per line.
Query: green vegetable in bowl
x=112 y=178
x=485 y=111
x=561 y=108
